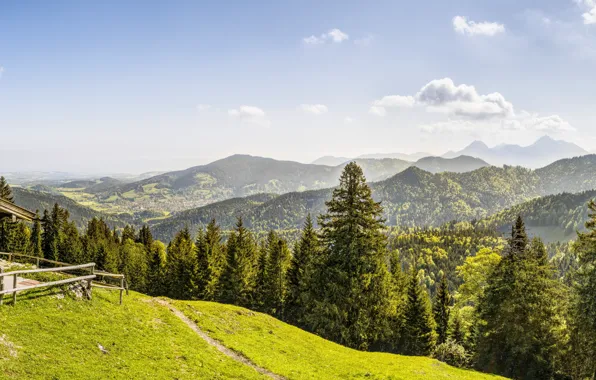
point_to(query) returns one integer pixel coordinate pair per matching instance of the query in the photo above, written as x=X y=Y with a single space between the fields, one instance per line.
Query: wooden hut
x=15 y=212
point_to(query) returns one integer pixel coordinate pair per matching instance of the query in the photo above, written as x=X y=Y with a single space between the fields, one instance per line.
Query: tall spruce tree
x=300 y=273
x=441 y=309
x=5 y=191
x=128 y=233
x=181 y=266
x=353 y=303
x=261 y=278
x=36 y=242
x=203 y=272
x=157 y=269
x=145 y=237
x=521 y=327
x=418 y=335
x=584 y=321
x=217 y=258
x=53 y=223
x=275 y=275
x=238 y=279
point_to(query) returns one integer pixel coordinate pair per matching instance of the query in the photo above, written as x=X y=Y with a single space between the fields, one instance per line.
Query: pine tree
x=260 y=283
x=145 y=237
x=353 y=304
x=418 y=336
x=238 y=279
x=53 y=223
x=21 y=235
x=128 y=233
x=584 y=323
x=441 y=310
x=519 y=239
x=36 y=242
x=5 y=191
x=203 y=272
x=157 y=269
x=522 y=326
x=300 y=273
x=181 y=266
x=6 y=234
x=70 y=247
x=275 y=273
x=217 y=259
x=457 y=332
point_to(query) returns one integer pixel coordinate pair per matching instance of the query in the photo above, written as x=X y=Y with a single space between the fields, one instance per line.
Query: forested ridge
x=411 y=198
x=459 y=293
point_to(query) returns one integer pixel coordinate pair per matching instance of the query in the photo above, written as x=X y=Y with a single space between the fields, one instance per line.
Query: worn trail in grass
x=296 y=354
x=57 y=337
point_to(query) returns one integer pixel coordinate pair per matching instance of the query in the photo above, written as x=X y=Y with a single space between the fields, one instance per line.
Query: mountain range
x=243 y=175
x=413 y=197
x=543 y=152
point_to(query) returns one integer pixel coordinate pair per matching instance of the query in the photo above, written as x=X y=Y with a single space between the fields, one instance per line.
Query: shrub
x=452 y=353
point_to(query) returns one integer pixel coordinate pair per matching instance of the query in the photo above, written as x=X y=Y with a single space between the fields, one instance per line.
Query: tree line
x=499 y=307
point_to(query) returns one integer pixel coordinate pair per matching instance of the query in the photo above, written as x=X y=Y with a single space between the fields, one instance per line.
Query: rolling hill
x=330 y=160
x=413 y=197
x=36 y=200
x=243 y=175
x=50 y=334
x=460 y=164
x=552 y=218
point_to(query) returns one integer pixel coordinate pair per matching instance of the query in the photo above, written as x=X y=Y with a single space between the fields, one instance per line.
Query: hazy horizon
x=129 y=88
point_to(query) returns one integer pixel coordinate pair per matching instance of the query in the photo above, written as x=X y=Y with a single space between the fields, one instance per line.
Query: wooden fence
x=61 y=267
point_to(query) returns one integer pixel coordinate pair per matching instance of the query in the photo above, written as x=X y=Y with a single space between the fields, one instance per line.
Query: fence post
x=1 y=285
x=121 y=289
x=37 y=260
x=90 y=281
x=14 y=289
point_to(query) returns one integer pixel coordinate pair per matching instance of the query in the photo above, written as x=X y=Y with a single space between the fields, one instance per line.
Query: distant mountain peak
x=546 y=138
x=542 y=152
x=477 y=144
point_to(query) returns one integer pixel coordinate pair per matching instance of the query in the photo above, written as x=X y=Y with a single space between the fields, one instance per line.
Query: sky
x=137 y=86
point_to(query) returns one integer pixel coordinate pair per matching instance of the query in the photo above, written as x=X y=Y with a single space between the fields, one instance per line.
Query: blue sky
x=118 y=86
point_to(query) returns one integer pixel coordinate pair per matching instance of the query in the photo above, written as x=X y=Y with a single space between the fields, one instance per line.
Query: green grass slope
x=295 y=354
x=48 y=336
x=52 y=338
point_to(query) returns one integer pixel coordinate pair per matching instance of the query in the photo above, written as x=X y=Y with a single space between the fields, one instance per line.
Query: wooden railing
x=15 y=289
x=61 y=267
x=36 y=259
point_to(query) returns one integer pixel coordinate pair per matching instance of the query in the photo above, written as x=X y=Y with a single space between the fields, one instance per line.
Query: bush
x=452 y=353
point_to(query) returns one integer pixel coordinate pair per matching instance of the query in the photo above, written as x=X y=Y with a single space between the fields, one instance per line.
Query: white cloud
x=250 y=115
x=203 y=107
x=552 y=123
x=442 y=95
x=395 y=101
x=1 y=71
x=472 y=28
x=337 y=35
x=334 y=35
x=378 y=111
x=467 y=110
x=463 y=100
x=315 y=109
x=589 y=6
x=590 y=16
x=313 y=40
x=348 y=120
